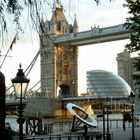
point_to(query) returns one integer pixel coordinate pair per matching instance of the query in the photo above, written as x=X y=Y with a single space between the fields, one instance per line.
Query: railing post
x=103 y=123
x=78 y=137
x=69 y=137
x=117 y=124
x=59 y=137
x=110 y=123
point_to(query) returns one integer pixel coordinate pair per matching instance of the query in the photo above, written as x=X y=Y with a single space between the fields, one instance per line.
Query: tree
x=14 y=9
x=136 y=64
x=133 y=24
x=11 y=7
x=136 y=75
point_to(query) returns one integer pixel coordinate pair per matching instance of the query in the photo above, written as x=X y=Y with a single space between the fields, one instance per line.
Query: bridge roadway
x=90 y=100
x=13 y=104
x=93 y=36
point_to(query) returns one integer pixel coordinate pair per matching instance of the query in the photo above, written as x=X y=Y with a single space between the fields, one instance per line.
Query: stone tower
x=59 y=64
x=124 y=66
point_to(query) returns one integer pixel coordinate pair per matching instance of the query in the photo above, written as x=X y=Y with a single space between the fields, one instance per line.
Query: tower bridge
x=59 y=64
x=93 y=36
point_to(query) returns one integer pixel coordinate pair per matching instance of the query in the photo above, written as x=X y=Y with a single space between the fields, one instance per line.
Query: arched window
x=59 y=26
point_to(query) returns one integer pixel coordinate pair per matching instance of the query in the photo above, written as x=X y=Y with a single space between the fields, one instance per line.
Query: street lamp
x=132 y=100
x=103 y=107
x=20 y=84
x=124 y=114
x=107 y=115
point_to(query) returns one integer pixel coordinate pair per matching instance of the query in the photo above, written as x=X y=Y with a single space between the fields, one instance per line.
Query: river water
x=12 y=121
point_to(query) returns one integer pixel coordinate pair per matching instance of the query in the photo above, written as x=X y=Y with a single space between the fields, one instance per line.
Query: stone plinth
x=43 y=107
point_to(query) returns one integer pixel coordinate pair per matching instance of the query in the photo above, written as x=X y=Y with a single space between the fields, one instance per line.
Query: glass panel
x=20 y=89
x=106 y=83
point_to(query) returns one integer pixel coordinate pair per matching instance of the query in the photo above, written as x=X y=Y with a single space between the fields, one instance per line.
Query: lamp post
x=132 y=100
x=103 y=107
x=20 y=84
x=107 y=115
x=124 y=115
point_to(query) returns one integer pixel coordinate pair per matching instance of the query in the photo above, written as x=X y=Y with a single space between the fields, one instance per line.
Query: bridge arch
x=63 y=90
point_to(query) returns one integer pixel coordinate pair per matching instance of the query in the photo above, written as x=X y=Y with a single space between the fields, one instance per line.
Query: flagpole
x=8 y=52
x=4 y=58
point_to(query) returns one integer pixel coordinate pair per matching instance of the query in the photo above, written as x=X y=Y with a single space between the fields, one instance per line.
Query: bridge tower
x=59 y=63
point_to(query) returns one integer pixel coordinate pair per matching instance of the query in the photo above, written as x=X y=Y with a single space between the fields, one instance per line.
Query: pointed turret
x=58 y=5
x=58 y=23
x=75 y=25
x=58 y=66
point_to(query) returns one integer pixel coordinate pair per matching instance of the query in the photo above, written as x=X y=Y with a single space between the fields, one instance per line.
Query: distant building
x=105 y=83
x=101 y=83
x=126 y=67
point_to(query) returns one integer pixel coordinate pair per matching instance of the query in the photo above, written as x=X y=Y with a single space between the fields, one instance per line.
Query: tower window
x=59 y=26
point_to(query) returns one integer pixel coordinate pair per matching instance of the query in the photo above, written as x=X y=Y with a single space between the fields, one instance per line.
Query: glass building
x=105 y=83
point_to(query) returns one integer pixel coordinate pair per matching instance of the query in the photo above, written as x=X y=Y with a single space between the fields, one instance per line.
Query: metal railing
x=94 y=32
x=61 y=131
x=93 y=136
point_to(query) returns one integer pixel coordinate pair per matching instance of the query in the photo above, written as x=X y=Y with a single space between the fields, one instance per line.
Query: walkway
x=119 y=134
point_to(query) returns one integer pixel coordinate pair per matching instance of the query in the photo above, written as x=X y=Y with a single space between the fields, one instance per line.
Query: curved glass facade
x=105 y=83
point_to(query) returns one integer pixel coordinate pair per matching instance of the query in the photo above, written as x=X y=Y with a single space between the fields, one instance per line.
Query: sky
x=97 y=56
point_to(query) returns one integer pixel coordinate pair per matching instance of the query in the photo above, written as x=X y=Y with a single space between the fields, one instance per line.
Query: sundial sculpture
x=82 y=119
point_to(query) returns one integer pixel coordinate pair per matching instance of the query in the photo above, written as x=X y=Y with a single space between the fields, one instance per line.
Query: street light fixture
x=20 y=84
x=132 y=100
